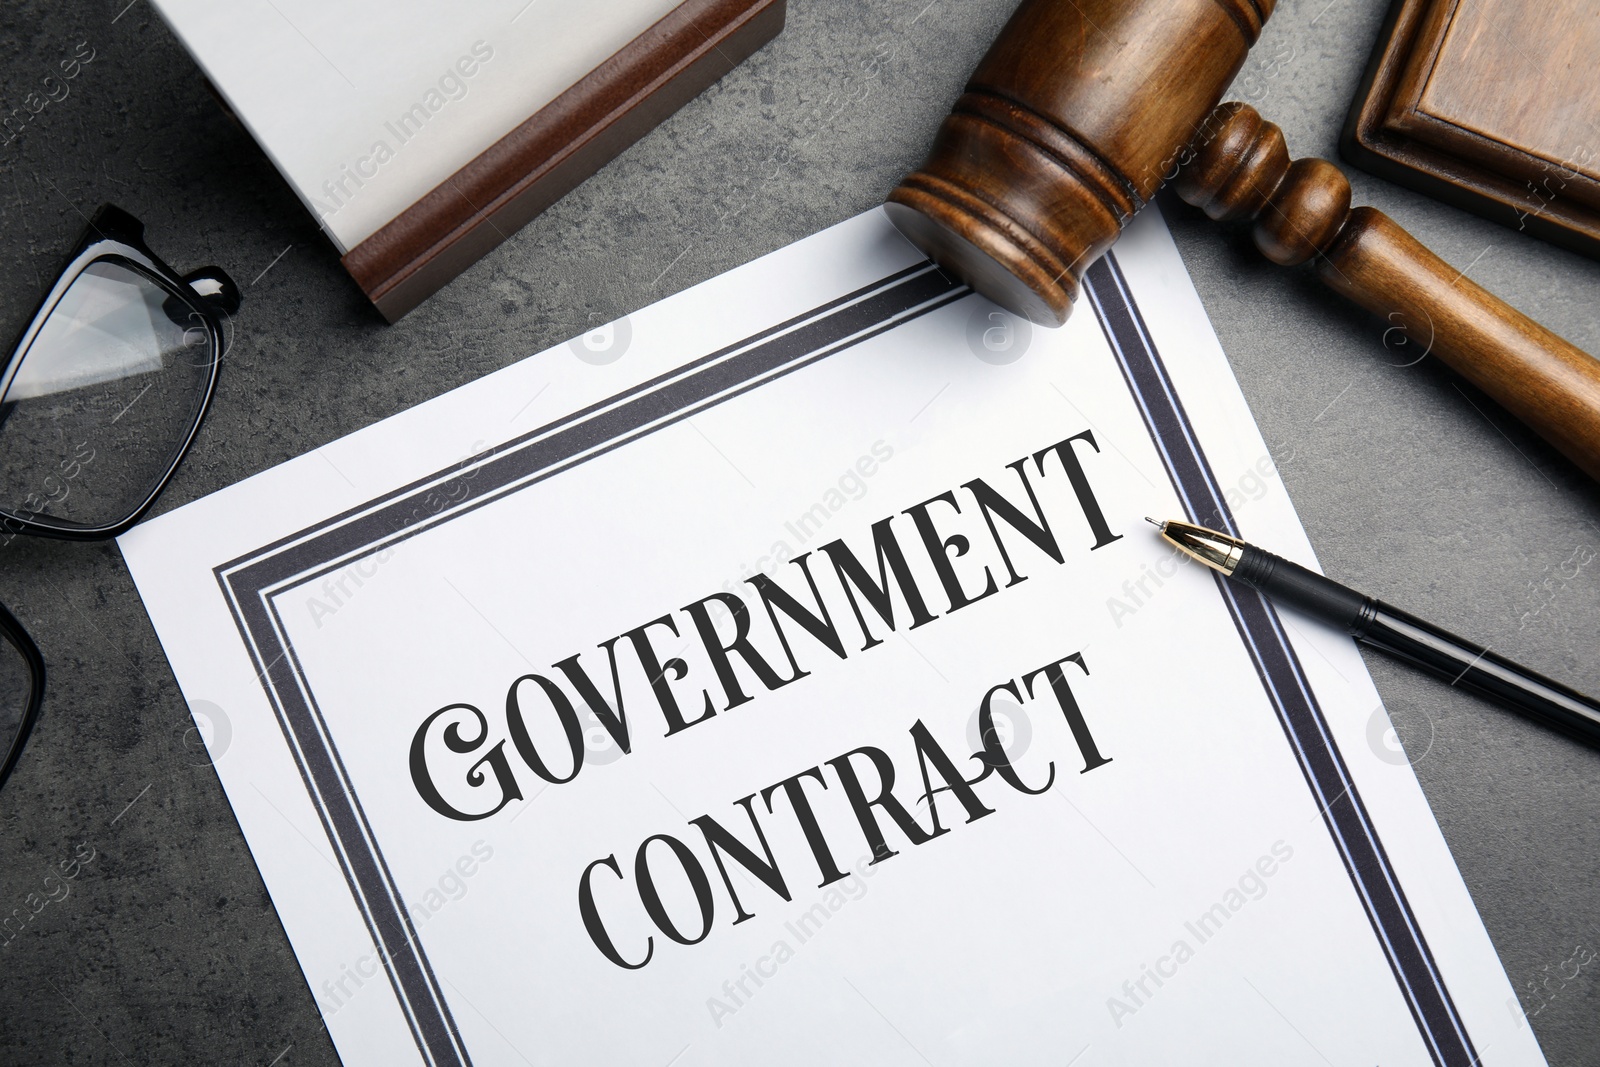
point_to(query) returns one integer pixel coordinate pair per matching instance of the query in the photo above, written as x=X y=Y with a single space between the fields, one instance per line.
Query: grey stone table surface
x=1412 y=485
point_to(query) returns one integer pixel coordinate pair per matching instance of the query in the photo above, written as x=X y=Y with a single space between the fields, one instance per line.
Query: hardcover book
x=422 y=135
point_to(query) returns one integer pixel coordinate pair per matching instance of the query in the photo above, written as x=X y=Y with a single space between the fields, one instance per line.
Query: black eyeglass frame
x=11 y=630
x=115 y=236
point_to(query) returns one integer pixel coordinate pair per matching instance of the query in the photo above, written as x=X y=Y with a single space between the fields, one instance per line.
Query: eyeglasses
x=100 y=398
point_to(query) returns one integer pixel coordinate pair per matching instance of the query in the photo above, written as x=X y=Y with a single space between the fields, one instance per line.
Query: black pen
x=1374 y=623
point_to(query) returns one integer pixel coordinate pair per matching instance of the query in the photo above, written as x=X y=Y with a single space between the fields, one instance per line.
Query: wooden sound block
x=1491 y=105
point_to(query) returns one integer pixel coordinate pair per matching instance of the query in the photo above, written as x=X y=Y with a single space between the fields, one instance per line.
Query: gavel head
x=1072 y=122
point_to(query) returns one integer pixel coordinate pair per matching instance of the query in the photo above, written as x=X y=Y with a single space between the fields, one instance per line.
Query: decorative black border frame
x=251 y=582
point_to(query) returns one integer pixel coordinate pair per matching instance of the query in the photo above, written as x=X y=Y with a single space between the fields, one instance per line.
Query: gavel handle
x=1240 y=169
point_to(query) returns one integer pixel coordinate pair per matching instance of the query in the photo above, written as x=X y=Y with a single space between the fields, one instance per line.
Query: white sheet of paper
x=367 y=105
x=1251 y=875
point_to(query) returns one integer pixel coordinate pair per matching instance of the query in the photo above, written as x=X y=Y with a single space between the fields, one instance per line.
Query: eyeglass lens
x=104 y=399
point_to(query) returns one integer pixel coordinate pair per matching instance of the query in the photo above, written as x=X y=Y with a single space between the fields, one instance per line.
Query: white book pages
x=367 y=105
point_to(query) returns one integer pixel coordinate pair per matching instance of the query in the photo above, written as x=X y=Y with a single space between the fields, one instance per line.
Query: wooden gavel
x=1084 y=108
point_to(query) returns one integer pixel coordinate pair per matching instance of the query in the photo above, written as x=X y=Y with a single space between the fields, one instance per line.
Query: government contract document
x=785 y=673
